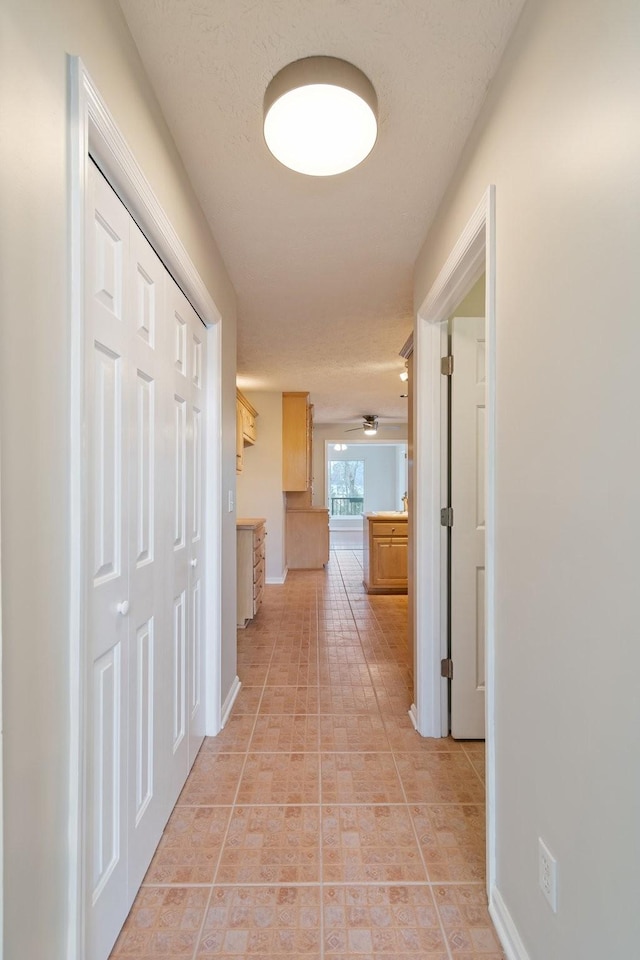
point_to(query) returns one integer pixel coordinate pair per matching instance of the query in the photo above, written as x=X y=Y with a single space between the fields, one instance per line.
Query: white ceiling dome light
x=320 y=116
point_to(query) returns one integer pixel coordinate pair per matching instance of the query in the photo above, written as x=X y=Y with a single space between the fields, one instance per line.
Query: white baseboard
x=278 y=580
x=506 y=928
x=413 y=716
x=230 y=699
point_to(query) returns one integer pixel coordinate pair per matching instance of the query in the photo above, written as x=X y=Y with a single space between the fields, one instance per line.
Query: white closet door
x=145 y=389
x=197 y=366
x=108 y=620
x=148 y=739
x=178 y=314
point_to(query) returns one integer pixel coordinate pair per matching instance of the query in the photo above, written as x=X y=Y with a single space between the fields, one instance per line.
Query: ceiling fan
x=369 y=425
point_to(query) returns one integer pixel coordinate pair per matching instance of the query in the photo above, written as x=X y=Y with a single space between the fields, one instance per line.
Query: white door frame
x=473 y=253
x=92 y=130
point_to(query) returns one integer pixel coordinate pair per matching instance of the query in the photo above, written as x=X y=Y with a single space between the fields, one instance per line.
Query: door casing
x=473 y=253
x=93 y=131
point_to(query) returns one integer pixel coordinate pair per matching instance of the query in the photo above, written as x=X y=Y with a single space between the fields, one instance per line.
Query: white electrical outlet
x=548 y=874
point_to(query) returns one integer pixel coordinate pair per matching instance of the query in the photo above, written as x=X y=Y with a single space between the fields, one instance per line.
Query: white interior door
x=148 y=734
x=196 y=516
x=145 y=388
x=108 y=622
x=186 y=556
x=468 y=444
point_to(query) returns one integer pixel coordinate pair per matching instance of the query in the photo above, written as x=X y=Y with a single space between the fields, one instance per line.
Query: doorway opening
x=361 y=477
x=472 y=256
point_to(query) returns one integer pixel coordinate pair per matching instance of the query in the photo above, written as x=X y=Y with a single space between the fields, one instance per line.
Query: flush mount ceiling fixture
x=320 y=116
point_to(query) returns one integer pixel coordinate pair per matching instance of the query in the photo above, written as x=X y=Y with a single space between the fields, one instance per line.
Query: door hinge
x=446 y=366
x=446 y=517
x=446 y=669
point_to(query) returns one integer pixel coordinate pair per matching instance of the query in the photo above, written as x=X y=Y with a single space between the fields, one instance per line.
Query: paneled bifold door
x=145 y=412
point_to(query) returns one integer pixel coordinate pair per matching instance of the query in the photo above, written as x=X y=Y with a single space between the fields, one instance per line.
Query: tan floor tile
x=291 y=700
x=348 y=698
x=404 y=738
x=452 y=840
x=285 y=733
x=393 y=704
x=342 y=655
x=352 y=732
x=270 y=923
x=292 y=674
x=247 y=701
x=253 y=651
x=280 y=778
x=234 y=738
x=253 y=674
x=271 y=844
x=213 y=780
x=190 y=846
x=359 y=778
x=468 y=927
x=164 y=922
x=369 y=843
x=435 y=777
x=396 y=922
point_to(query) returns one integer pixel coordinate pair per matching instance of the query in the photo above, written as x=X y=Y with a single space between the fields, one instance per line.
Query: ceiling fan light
x=320 y=116
x=370 y=430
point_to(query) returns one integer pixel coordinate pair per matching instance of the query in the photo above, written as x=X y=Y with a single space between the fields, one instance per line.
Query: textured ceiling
x=322 y=266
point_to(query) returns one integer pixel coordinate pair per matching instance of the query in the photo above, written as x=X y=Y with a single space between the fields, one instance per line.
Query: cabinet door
x=389 y=559
x=239 y=439
x=295 y=442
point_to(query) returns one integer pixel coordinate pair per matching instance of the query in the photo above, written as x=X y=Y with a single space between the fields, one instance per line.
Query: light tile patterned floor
x=318 y=825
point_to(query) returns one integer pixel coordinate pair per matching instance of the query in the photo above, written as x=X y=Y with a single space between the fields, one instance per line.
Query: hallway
x=318 y=824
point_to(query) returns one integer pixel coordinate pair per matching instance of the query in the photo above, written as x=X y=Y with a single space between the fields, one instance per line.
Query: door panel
x=147 y=806
x=468 y=440
x=108 y=624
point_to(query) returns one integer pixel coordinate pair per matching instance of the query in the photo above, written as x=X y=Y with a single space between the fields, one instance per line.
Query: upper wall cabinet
x=245 y=427
x=296 y=442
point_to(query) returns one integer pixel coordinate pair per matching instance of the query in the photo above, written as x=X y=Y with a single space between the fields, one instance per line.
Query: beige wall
x=560 y=138
x=34 y=400
x=260 y=483
x=473 y=304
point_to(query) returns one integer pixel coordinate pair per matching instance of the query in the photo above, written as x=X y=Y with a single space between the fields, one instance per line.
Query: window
x=346 y=488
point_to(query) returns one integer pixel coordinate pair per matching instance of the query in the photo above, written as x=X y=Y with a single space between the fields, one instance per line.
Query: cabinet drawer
x=258 y=553
x=387 y=530
x=257 y=601
x=258 y=536
x=258 y=573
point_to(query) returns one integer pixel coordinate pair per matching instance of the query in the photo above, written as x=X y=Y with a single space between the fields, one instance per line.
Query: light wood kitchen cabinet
x=307 y=538
x=245 y=427
x=251 y=533
x=385 y=553
x=297 y=427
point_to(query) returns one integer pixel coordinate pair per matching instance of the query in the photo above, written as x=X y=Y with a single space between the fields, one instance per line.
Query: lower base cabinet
x=251 y=533
x=385 y=554
x=307 y=538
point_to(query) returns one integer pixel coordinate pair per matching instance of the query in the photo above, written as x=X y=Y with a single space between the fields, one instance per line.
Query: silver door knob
x=194 y=562
x=123 y=608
